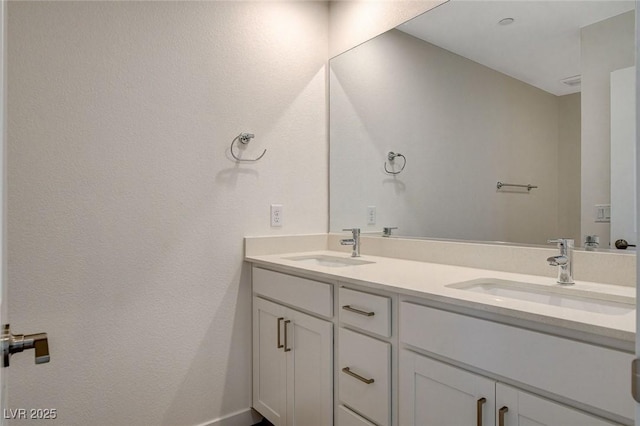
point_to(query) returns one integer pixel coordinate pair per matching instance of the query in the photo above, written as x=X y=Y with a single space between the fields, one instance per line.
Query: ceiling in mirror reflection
x=473 y=29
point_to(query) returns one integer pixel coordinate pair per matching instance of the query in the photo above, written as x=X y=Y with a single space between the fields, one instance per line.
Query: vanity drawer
x=347 y=417
x=366 y=359
x=564 y=367
x=366 y=311
x=312 y=296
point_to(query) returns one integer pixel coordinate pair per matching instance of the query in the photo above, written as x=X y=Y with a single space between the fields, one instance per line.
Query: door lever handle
x=15 y=343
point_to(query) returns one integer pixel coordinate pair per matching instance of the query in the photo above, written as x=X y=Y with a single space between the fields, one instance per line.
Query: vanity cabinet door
x=309 y=370
x=524 y=409
x=292 y=366
x=436 y=394
x=269 y=361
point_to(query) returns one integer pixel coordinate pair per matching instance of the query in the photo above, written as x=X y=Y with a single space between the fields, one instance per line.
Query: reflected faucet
x=354 y=241
x=386 y=231
x=564 y=261
x=591 y=242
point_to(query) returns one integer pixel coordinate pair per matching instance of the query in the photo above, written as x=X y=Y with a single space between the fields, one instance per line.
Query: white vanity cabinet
x=346 y=353
x=552 y=365
x=292 y=352
x=435 y=393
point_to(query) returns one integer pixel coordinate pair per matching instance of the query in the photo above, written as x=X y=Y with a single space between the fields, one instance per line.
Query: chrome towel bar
x=528 y=186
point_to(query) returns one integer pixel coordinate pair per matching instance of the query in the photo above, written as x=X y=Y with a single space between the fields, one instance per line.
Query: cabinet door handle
x=286 y=348
x=280 y=345
x=501 y=413
x=357 y=376
x=358 y=311
x=479 y=405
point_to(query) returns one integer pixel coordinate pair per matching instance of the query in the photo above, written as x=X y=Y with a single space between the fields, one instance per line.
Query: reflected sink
x=330 y=261
x=570 y=298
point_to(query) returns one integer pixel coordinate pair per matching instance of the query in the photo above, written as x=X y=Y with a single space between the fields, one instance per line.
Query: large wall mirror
x=473 y=93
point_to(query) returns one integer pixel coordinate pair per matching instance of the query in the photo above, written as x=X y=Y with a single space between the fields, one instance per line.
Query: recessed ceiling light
x=572 y=81
x=506 y=21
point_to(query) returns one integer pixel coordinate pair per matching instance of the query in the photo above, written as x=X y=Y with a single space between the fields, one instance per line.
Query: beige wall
x=605 y=46
x=462 y=127
x=569 y=118
x=126 y=214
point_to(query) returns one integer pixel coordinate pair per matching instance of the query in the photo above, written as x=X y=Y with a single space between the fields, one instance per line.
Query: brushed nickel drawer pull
x=280 y=345
x=501 y=413
x=358 y=311
x=479 y=405
x=357 y=376
x=286 y=349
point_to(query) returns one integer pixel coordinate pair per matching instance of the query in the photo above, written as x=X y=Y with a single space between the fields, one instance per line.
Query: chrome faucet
x=564 y=261
x=354 y=241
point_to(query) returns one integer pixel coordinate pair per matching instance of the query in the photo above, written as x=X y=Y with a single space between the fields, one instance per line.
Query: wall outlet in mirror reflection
x=371 y=215
x=603 y=213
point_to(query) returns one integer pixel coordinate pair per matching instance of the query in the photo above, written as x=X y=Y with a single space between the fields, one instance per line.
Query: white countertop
x=430 y=280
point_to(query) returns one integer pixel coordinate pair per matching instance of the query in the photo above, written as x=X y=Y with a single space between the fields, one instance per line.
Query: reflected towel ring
x=244 y=139
x=391 y=156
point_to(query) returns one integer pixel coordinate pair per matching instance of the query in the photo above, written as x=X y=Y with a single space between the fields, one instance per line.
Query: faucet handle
x=562 y=242
x=386 y=231
x=356 y=231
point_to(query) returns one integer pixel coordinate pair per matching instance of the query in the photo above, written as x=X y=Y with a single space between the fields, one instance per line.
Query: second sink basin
x=330 y=261
x=556 y=296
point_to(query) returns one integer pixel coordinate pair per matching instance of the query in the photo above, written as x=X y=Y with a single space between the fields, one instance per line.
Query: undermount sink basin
x=330 y=261
x=566 y=297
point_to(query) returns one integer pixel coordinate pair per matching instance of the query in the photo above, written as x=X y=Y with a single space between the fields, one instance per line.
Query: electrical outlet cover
x=276 y=215
x=371 y=215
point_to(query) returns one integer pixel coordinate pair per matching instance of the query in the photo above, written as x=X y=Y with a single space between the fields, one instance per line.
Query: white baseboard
x=246 y=417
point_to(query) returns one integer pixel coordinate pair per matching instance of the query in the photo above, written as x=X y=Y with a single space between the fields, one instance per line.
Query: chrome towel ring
x=391 y=156
x=244 y=139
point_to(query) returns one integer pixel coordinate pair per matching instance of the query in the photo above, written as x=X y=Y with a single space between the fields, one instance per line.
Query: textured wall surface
x=569 y=167
x=125 y=212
